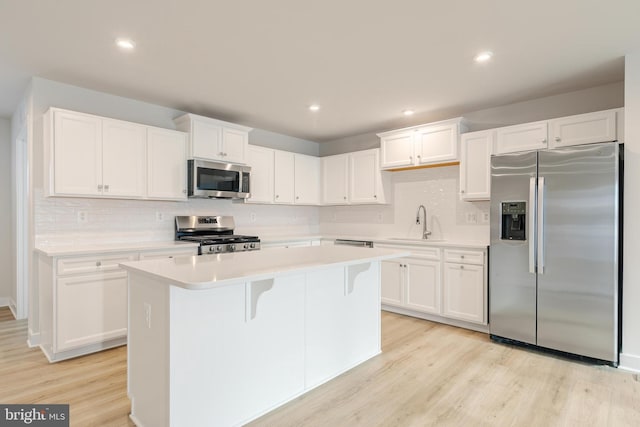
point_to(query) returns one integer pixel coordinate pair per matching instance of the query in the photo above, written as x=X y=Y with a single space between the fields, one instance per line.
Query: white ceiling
x=261 y=63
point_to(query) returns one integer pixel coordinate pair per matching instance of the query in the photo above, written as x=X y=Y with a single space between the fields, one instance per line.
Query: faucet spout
x=425 y=232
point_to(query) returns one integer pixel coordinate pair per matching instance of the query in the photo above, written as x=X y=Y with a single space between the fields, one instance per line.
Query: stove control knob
x=252 y=246
x=212 y=248
x=231 y=248
x=246 y=246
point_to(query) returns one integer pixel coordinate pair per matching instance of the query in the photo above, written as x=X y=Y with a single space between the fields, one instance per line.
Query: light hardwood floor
x=428 y=374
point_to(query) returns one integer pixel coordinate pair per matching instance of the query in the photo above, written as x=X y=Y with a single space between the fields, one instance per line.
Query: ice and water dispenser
x=514 y=218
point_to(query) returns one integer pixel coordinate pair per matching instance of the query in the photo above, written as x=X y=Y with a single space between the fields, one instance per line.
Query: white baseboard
x=629 y=362
x=33 y=339
x=439 y=319
x=4 y=302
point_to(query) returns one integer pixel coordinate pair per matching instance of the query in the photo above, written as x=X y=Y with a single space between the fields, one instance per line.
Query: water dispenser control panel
x=514 y=219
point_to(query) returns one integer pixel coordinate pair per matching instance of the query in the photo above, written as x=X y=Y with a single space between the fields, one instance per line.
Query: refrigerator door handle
x=540 y=218
x=532 y=223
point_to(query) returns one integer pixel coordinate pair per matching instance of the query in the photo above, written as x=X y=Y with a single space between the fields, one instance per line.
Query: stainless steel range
x=214 y=233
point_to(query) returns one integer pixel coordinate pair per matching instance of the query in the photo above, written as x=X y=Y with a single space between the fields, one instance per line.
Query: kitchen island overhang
x=222 y=339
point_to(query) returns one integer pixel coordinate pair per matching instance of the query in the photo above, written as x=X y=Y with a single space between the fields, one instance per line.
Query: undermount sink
x=410 y=239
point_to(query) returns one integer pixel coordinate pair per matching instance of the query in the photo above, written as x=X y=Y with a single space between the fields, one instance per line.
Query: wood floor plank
x=428 y=375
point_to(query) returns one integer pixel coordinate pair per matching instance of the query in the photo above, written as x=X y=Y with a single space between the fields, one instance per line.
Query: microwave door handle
x=532 y=225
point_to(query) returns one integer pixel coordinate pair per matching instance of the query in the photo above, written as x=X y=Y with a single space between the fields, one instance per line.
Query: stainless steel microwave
x=218 y=180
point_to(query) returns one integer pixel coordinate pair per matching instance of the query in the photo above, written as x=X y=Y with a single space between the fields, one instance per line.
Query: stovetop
x=220 y=239
x=214 y=233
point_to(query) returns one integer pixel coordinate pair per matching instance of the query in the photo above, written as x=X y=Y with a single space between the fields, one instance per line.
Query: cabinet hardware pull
x=557 y=139
x=106 y=188
x=462 y=256
x=345 y=197
x=277 y=196
x=297 y=197
x=411 y=158
x=99 y=187
x=544 y=141
x=375 y=196
x=462 y=191
x=98 y=263
x=462 y=267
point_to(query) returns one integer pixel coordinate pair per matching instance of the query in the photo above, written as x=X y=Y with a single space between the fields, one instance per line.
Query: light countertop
x=93 y=248
x=385 y=240
x=208 y=271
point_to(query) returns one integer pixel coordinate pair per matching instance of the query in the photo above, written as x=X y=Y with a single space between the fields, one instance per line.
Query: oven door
x=218 y=180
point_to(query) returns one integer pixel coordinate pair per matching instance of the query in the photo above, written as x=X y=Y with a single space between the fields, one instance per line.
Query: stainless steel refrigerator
x=554 y=258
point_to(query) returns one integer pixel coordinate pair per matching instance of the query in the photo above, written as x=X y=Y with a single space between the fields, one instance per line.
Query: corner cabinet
x=92 y=156
x=354 y=178
x=211 y=139
x=427 y=144
x=475 y=165
x=443 y=284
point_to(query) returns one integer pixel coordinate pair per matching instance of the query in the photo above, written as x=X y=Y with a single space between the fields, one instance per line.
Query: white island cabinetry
x=278 y=323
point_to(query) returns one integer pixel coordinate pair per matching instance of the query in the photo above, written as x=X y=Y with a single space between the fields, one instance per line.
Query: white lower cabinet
x=449 y=286
x=83 y=300
x=91 y=309
x=464 y=293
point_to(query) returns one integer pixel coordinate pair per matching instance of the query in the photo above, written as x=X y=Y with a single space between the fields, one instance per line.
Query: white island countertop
x=208 y=271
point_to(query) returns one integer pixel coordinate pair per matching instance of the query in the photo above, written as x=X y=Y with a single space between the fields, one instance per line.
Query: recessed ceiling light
x=408 y=112
x=314 y=107
x=127 y=44
x=483 y=56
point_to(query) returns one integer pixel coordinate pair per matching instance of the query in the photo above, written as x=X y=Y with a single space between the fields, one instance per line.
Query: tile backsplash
x=77 y=220
x=448 y=217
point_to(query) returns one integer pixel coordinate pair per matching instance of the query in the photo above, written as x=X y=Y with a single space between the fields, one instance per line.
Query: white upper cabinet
x=437 y=143
x=529 y=136
x=166 y=164
x=262 y=165
x=92 y=156
x=397 y=149
x=475 y=165
x=335 y=179
x=284 y=174
x=365 y=178
x=211 y=139
x=421 y=145
x=583 y=129
x=75 y=153
x=354 y=178
x=306 y=179
x=123 y=159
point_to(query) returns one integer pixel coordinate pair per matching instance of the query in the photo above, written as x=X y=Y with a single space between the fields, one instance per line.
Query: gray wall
x=583 y=101
x=6 y=257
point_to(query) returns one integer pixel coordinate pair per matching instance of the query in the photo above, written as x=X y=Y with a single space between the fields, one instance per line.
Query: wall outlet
x=472 y=218
x=485 y=217
x=147 y=314
x=82 y=217
x=252 y=216
x=159 y=216
x=380 y=217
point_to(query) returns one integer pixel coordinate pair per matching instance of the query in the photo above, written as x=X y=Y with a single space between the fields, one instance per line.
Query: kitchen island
x=222 y=339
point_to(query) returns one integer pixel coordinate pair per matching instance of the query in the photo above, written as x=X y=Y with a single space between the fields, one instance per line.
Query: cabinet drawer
x=464 y=256
x=92 y=264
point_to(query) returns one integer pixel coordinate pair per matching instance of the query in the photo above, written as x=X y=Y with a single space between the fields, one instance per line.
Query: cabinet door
x=392 y=277
x=365 y=177
x=464 y=294
x=307 y=180
x=77 y=154
x=475 y=165
x=530 y=136
x=124 y=153
x=166 y=164
x=234 y=145
x=397 y=150
x=436 y=144
x=583 y=129
x=90 y=309
x=283 y=177
x=261 y=161
x=423 y=283
x=335 y=179
x=206 y=140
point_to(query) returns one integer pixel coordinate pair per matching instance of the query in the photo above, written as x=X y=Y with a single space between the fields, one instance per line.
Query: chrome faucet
x=425 y=233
